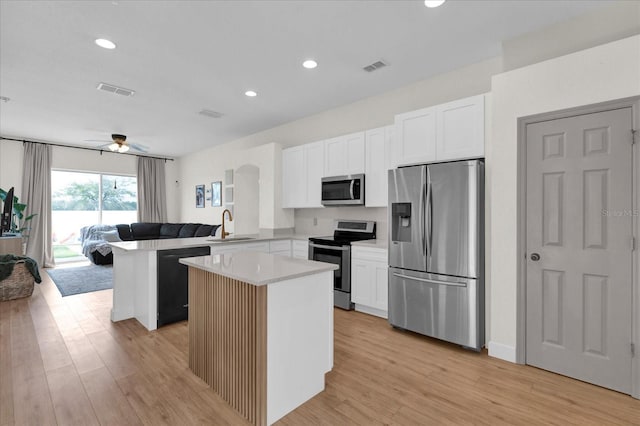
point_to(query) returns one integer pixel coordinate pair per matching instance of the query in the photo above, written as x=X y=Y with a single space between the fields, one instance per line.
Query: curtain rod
x=85 y=148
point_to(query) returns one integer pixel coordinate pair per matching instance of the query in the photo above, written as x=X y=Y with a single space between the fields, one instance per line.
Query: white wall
x=599 y=74
x=209 y=166
x=619 y=20
x=72 y=159
x=11 y=166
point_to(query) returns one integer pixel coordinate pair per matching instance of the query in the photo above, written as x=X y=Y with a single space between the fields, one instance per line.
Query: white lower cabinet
x=369 y=279
x=231 y=248
x=300 y=249
x=280 y=247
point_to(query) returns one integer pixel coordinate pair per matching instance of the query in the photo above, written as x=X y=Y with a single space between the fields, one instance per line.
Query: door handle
x=340 y=248
x=535 y=257
x=351 y=192
x=424 y=280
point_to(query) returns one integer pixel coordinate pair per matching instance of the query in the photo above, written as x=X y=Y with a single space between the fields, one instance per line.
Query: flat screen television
x=7 y=211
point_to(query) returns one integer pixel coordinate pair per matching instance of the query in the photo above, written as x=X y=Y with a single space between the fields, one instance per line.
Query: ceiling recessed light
x=433 y=3
x=107 y=44
x=250 y=93
x=310 y=64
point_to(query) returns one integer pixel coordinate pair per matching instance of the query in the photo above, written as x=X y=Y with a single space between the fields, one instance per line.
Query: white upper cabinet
x=355 y=153
x=416 y=136
x=314 y=163
x=460 y=129
x=450 y=131
x=377 y=162
x=344 y=155
x=302 y=170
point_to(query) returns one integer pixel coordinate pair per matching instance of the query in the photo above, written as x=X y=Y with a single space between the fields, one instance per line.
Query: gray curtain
x=152 y=191
x=36 y=194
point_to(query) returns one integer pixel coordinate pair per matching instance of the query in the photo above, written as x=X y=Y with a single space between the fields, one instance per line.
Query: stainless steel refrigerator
x=436 y=251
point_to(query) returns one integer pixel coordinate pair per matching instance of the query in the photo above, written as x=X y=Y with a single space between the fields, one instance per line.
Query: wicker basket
x=18 y=284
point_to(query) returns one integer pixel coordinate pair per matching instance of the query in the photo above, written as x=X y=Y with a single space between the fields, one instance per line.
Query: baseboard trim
x=502 y=351
x=371 y=311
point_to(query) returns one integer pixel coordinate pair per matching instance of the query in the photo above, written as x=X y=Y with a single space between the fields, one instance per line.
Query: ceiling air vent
x=375 y=66
x=115 y=89
x=211 y=114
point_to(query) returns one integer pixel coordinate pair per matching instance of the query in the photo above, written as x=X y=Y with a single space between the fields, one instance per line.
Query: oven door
x=341 y=256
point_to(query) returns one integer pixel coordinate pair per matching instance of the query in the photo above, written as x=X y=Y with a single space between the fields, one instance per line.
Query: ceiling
x=183 y=56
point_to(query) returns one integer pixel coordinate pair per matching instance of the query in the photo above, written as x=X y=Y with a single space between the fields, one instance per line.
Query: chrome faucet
x=223 y=234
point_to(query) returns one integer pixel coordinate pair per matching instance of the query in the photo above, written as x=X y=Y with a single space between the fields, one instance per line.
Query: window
x=82 y=199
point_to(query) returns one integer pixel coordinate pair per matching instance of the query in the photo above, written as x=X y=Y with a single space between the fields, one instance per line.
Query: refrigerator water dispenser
x=401 y=222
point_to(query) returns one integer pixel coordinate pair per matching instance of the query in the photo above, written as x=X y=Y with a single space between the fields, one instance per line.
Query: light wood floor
x=63 y=362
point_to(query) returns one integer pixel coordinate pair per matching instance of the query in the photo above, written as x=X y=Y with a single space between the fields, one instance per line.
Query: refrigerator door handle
x=429 y=211
x=453 y=284
x=422 y=215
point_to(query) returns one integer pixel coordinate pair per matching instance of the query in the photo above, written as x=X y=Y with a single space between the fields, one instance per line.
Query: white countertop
x=257 y=268
x=379 y=244
x=177 y=243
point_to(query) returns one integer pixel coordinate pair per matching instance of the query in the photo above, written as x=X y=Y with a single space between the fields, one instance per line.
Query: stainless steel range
x=337 y=249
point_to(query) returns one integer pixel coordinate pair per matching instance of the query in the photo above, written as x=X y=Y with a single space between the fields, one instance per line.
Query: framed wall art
x=199 y=196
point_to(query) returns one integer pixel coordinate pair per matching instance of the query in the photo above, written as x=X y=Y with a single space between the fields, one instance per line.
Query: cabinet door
x=361 y=282
x=300 y=249
x=381 y=292
x=355 y=153
x=390 y=148
x=294 y=177
x=315 y=170
x=335 y=161
x=460 y=129
x=375 y=168
x=416 y=136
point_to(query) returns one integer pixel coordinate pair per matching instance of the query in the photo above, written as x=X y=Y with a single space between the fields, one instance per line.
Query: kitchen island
x=139 y=267
x=261 y=329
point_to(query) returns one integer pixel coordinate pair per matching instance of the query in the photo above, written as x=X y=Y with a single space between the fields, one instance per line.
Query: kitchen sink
x=218 y=240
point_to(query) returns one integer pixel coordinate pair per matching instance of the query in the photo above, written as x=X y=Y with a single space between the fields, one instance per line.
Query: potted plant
x=19 y=223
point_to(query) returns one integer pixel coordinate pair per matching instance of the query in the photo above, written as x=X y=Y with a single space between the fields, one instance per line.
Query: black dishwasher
x=173 y=283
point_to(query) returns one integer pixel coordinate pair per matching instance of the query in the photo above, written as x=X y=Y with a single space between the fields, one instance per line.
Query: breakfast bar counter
x=261 y=329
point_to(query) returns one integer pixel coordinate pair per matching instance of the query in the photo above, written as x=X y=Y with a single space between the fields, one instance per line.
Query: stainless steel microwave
x=343 y=190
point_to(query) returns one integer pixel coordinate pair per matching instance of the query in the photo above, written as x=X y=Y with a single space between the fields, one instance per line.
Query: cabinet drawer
x=369 y=253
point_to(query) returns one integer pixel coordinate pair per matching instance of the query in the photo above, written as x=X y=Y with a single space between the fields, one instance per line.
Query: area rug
x=82 y=279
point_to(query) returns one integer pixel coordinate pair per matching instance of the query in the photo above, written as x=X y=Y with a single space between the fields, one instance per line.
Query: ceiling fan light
x=123 y=148
x=114 y=147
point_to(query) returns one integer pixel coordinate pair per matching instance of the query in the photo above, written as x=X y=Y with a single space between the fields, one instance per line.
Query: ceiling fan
x=119 y=143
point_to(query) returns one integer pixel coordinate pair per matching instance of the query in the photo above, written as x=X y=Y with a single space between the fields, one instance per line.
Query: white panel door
x=375 y=168
x=335 y=160
x=460 y=129
x=416 y=136
x=293 y=177
x=314 y=153
x=579 y=230
x=355 y=153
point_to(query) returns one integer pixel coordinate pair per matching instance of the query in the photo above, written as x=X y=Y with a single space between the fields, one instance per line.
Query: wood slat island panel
x=227 y=340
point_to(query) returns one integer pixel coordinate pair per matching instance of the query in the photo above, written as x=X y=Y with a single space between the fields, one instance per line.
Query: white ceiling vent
x=115 y=89
x=375 y=66
x=210 y=113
